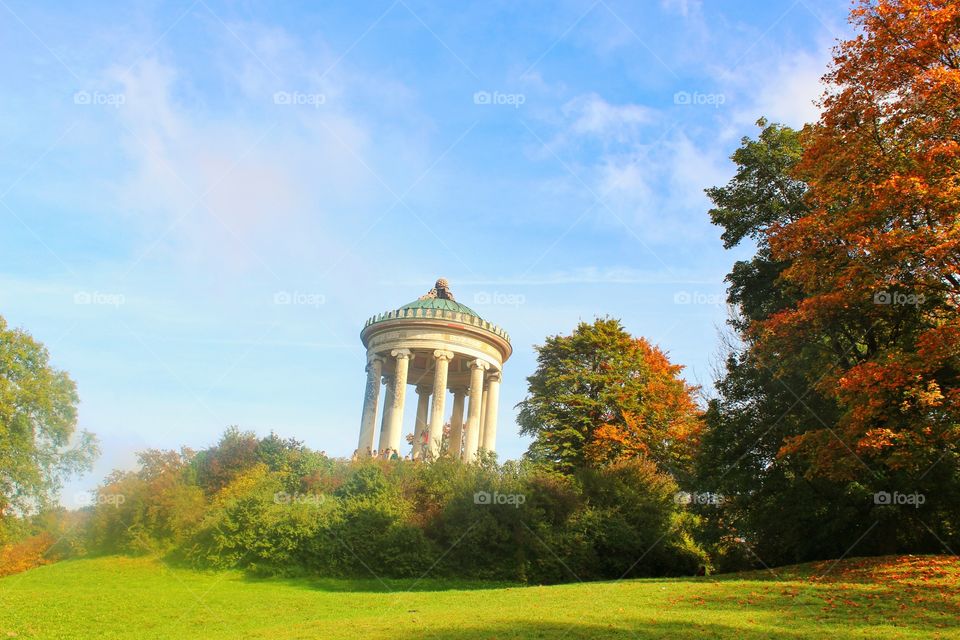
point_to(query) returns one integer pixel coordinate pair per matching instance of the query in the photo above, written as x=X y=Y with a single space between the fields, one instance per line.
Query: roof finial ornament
x=440 y=290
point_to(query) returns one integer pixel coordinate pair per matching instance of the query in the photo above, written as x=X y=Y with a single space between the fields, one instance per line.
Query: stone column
x=395 y=409
x=385 y=418
x=483 y=417
x=456 y=424
x=492 y=405
x=423 y=406
x=438 y=410
x=371 y=398
x=477 y=367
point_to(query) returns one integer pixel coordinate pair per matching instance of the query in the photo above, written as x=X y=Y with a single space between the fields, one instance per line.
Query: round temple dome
x=441 y=347
x=440 y=304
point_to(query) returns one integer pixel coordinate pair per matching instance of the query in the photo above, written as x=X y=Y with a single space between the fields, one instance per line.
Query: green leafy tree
x=600 y=395
x=39 y=442
x=762 y=195
x=769 y=506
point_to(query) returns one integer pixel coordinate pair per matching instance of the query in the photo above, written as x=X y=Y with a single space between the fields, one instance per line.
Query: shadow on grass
x=616 y=629
x=373 y=585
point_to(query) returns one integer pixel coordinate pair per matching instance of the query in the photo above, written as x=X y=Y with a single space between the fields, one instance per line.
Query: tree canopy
x=39 y=441
x=846 y=386
x=876 y=254
x=601 y=395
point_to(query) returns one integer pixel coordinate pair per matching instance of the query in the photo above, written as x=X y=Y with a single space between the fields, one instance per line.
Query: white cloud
x=591 y=115
x=786 y=93
x=648 y=175
x=779 y=83
x=242 y=178
x=207 y=180
x=658 y=189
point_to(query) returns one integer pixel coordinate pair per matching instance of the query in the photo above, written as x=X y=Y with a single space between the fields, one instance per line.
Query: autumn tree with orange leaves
x=877 y=254
x=600 y=395
x=847 y=386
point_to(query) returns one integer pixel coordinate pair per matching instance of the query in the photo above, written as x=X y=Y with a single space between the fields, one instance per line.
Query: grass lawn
x=115 y=597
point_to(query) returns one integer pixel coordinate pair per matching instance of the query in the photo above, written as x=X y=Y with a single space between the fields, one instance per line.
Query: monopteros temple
x=441 y=348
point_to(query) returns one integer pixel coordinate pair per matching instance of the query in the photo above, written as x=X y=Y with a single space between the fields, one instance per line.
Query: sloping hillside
x=903 y=597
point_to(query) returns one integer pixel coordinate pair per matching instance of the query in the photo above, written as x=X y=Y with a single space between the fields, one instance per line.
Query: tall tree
x=877 y=253
x=848 y=382
x=39 y=441
x=601 y=395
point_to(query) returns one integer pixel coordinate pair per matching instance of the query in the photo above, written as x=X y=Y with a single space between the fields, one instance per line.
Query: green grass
x=907 y=597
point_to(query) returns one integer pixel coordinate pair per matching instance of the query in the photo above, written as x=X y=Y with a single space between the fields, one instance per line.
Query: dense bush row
x=274 y=507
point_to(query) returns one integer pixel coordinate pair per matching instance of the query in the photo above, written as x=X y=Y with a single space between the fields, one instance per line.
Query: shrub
x=287 y=510
x=26 y=554
x=256 y=524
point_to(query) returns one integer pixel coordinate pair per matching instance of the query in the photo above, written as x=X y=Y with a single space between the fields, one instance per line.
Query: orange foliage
x=666 y=428
x=26 y=554
x=883 y=169
x=882 y=162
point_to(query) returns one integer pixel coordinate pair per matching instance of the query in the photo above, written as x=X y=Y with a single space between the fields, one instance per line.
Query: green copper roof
x=438 y=304
x=441 y=303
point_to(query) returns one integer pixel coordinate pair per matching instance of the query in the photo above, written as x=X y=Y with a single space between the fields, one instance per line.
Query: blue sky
x=171 y=171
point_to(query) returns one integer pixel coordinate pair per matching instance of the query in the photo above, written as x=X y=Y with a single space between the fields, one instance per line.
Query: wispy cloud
x=228 y=186
x=591 y=115
x=639 y=165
